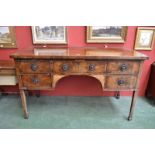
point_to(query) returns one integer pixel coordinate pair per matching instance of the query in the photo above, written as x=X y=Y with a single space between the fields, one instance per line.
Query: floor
x=49 y=112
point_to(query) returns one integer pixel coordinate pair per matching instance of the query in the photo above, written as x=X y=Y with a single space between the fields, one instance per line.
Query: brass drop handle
x=91 y=67
x=65 y=67
x=123 y=67
x=35 y=80
x=120 y=82
x=34 y=67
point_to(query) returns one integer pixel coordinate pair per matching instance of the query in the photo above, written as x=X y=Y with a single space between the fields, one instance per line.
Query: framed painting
x=7 y=37
x=144 y=38
x=106 y=34
x=49 y=34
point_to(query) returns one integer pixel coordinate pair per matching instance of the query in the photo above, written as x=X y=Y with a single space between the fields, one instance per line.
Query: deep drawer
x=36 y=81
x=120 y=82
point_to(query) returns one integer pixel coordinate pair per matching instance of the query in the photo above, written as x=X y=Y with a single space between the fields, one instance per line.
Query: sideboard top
x=78 y=53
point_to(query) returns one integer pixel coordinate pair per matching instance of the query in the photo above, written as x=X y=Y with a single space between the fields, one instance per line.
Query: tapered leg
x=133 y=103
x=117 y=95
x=24 y=104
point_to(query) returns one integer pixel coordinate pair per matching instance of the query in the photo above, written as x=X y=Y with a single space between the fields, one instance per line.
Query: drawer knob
x=34 y=67
x=121 y=82
x=65 y=67
x=35 y=80
x=123 y=67
x=91 y=67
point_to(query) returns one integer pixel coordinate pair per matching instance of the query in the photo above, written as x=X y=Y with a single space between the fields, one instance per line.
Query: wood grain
x=116 y=67
x=98 y=67
x=36 y=81
x=27 y=66
x=71 y=67
x=112 y=82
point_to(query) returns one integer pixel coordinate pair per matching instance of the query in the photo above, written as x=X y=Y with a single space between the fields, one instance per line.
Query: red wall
x=81 y=86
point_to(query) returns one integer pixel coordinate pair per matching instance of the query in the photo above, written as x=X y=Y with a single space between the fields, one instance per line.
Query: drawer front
x=65 y=67
x=36 y=81
x=33 y=66
x=120 y=82
x=123 y=67
x=92 y=67
x=7 y=72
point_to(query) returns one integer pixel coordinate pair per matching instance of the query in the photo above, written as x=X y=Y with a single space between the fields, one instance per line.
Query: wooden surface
x=115 y=69
x=79 y=53
x=7 y=73
x=7 y=65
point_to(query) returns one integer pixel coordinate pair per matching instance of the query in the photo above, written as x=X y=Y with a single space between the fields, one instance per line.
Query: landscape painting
x=106 y=31
x=111 y=34
x=49 y=34
x=4 y=34
x=7 y=37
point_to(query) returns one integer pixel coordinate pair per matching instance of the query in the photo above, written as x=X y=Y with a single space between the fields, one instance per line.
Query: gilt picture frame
x=144 y=38
x=7 y=37
x=106 y=34
x=49 y=34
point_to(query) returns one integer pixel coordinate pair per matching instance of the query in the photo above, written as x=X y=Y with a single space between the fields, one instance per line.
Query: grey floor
x=75 y=113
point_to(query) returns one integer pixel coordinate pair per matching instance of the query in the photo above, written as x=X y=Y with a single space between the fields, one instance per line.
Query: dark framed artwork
x=106 y=34
x=7 y=37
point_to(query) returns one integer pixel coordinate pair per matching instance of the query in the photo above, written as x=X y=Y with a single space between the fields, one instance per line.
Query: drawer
x=7 y=72
x=65 y=67
x=123 y=67
x=33 y=66
x=36 y=81
x=92 y=67
x=120 y=82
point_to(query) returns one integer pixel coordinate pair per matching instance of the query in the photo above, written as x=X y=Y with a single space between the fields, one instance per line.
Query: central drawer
x=92 y=67
x=65 y=67
x=123 y=67
x=79 y=67
x=31 y=66
x=36 y=81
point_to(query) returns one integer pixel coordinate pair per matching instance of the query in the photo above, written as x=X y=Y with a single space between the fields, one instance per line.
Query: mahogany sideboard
x=41 y=69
